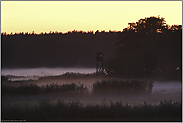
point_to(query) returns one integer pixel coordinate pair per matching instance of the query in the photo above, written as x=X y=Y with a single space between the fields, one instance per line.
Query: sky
x=63 y=16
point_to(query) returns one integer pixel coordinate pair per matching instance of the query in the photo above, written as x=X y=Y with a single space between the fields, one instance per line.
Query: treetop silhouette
x=148 y=47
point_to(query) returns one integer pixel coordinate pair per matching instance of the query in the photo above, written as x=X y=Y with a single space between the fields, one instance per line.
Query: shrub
x=4 y=78
x=121 y=86
x=35 y=89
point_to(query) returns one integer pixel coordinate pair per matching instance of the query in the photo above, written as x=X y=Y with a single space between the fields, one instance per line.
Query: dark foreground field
x=90 y=98
x=75 y=111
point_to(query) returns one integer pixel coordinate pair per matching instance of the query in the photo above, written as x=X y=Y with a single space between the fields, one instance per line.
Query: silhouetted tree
x=148 y=47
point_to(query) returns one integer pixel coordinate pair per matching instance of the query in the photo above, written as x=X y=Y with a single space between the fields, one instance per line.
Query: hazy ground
x=162 y=90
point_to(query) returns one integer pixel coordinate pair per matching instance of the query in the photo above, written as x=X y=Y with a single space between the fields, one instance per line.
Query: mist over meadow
x=147 y=47
x=141 y=77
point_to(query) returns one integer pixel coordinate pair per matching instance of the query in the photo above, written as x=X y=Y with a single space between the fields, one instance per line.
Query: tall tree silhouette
x=148 y=47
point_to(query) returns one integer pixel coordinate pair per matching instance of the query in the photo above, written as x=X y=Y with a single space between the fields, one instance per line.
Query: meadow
x=75 y=111
x=69 y=97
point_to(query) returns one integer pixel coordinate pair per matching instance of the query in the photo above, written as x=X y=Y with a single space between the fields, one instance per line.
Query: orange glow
x=63 y=16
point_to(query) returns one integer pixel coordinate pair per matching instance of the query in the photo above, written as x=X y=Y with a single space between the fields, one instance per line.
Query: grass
x=75 y=111
x=4 y=78
x=67 y=74
x=123 y=86
x=35 y=89
x=103 y=87
x=70 y=75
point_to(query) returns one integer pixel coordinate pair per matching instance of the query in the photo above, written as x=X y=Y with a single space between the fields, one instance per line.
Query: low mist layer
x=92 y=92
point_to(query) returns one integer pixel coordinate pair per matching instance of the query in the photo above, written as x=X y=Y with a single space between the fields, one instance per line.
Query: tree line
x=148 y=47
x=71 y=49
x=60 y=33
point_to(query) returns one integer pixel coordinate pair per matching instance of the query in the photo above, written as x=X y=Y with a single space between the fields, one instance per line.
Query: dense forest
x=147 y=47
x=71 y=49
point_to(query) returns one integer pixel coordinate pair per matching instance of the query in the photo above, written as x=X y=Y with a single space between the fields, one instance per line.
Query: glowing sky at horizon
x=63 y=16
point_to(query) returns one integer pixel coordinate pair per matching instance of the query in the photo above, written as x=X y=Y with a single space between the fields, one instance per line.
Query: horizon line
x=60 y=32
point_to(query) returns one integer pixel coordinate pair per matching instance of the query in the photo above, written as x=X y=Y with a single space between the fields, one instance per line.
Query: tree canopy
x=149 y=46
